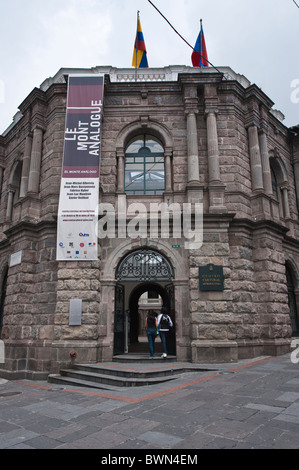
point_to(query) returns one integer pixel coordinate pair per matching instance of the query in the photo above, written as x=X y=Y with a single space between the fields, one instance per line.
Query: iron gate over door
x=144 y=265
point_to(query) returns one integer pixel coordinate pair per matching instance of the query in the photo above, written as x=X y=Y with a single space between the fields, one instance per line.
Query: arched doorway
x=145 y=297
x=292 y=301
x=144 y=281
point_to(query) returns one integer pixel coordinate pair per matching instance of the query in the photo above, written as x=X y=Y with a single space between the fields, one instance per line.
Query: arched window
x=144 y=166
x=15 y=180
x=14 y=186
x=276 y=191
x=280 y=186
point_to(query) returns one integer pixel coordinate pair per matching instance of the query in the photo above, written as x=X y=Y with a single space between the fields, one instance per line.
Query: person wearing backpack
x=164 y=325
x=151 y=326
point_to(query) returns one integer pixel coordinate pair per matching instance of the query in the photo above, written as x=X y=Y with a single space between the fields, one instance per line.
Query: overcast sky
x=257 y=38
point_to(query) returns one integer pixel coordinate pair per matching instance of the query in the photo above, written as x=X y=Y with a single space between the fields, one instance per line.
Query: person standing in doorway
x=151 y=326
x=164 y=325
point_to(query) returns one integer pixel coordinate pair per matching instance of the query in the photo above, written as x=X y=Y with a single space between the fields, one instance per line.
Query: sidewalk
x=253 y=404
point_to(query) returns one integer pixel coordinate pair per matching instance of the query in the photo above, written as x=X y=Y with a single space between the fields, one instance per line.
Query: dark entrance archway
x=141 y=271
x=166 y=293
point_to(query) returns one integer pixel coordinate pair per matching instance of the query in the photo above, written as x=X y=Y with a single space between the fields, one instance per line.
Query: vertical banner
x=79 y=191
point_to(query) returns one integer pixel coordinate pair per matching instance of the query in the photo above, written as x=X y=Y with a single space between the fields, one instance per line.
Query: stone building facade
x=174 y=135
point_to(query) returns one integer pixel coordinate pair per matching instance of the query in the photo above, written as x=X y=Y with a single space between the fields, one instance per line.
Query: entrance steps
x=141 y=358
x=110 y=376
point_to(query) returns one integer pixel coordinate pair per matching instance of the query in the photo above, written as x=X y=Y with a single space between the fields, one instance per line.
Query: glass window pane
x=154 y=167
x=154 y=145
x=137 y=144
x=144 y=173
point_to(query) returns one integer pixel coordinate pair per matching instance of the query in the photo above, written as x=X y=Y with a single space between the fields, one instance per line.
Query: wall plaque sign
x=15 y=258
x=75 y=318
x=211 y=278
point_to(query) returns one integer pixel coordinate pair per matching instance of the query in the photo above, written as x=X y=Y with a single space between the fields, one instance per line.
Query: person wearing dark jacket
x=151 y=326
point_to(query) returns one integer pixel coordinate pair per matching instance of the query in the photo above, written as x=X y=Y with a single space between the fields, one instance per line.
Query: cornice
x=37 y=95
x=254 y=92
x=29 y=227
x=199 y=78
x=253 y=226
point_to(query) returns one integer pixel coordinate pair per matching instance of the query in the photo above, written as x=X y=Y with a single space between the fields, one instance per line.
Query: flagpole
x=200 y=55
x=138 y=12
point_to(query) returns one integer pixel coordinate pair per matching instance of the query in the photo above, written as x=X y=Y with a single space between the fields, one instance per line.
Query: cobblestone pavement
x=249 y=405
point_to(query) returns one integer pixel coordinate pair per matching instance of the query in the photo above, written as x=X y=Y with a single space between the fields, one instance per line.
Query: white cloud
x=258 y=40
x=2 y=91
x=74 y=34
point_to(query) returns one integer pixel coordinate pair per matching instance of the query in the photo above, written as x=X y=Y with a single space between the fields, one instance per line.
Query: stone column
x=285 y=198
x=121 y=200
x=120 y=172
x=255 y=159
x=213 y=151
x=296 y=165
x=192 y=145
x=267 y=179
x=1 y=180
x=11 y=193
x=35 y=161
x=216 y=187
x=296 y=170
x=26 y=166
x=168 y=172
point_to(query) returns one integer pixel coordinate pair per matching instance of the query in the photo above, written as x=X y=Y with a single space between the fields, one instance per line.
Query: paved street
x=249 y=405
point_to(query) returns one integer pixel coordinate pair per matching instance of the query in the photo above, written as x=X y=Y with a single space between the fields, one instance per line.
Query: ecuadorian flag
x=139 y=60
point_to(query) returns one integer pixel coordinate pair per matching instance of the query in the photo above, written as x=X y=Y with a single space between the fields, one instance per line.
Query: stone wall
x=220 y=139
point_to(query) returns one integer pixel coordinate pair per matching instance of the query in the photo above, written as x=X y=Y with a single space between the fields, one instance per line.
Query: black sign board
x=211 y=277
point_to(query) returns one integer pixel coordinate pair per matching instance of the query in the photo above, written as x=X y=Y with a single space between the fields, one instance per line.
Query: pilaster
x=35 y=160
x=216 y=187
x=266 y=171
x=26 y=166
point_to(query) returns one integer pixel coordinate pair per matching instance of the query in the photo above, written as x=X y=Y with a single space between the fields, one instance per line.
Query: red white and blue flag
x=199 y=55
x=139 y=60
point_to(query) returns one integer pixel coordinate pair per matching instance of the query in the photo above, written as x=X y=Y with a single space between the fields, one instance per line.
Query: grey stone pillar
x=168 y=171
x=192 y=145
x=120 y=172
x=216 y=187
x=255 y=159
x=11 y=193
x=213 y=150
x=35 y=161
x=285 y=199
x=296 y=170
x=267 y=179
x=26 y=167
x=296 y=165
x=1 y=180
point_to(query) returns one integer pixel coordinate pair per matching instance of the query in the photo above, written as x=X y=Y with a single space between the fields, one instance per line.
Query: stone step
x=131 y=358
x=124 y=380
x=128 y=372
x=71 y=381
